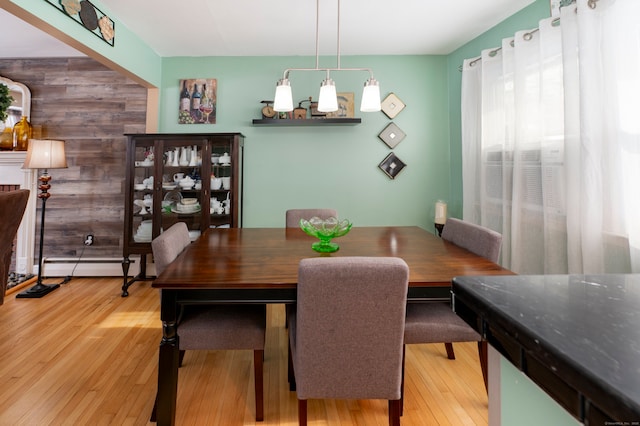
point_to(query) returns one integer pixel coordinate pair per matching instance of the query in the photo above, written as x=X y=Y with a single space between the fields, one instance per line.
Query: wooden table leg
x=168 y=362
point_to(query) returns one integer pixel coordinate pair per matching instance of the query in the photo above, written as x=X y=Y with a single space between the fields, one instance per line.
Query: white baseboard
x=91 y=267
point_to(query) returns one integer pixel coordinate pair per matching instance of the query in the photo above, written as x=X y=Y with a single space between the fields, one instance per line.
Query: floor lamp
x=43 y=154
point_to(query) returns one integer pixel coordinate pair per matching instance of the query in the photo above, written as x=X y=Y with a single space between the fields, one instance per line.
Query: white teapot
x=186 y=183
x=225 y=158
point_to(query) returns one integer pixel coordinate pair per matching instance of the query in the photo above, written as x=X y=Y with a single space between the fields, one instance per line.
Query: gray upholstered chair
x=477 y=239
x=293 y=216
x=435 y=322
x=346 y=331
x=12 y=206
x=214 y=327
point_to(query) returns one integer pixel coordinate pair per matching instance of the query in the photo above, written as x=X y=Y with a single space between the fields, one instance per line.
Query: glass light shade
x=328 y=99
x=370 y=96
x=45 y=154
x=283 y=100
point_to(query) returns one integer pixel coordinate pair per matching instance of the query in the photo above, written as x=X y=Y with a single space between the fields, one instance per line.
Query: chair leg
x=483 y=354
x=181 y=357
x=302 y=412
x=404 y=347
x=258 y=357
x=394 y=412
x=449 y=348
x=290 y=373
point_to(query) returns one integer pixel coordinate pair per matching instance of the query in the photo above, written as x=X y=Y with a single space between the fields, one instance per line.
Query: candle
x=441 y=212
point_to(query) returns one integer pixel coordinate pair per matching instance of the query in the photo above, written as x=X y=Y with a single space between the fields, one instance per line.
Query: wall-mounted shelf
x=307 y=122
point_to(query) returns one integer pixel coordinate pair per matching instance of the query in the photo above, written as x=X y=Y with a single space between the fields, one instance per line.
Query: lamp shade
x=370 y=96
x=45 y=154
x=283 y=100
x=328 y=99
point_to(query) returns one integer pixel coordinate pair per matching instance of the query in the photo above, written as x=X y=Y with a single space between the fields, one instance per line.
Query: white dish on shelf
x=169 y=186
x=173 y=196
x=196 y=209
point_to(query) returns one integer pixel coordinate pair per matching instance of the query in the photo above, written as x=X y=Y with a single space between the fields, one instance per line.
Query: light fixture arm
x=285 y=74
x=283 y=100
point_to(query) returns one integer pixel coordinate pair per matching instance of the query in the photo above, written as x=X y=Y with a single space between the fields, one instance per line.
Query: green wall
x=523 y=403
x=328 y=166
x=128 y=52
x=526 y=18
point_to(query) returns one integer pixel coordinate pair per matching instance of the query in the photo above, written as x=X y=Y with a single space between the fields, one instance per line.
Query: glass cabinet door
x=142 y=192
x=184 y=188
x=220 y=206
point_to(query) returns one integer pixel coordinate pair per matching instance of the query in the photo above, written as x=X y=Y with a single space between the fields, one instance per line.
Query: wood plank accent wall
x=90 y=107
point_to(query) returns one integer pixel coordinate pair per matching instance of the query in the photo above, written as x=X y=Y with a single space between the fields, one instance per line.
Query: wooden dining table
x=260 y=265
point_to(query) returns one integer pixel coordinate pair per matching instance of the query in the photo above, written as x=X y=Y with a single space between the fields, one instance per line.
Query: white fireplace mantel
x=12 y=173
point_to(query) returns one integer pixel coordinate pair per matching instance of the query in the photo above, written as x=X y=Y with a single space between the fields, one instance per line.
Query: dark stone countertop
x=576 y=336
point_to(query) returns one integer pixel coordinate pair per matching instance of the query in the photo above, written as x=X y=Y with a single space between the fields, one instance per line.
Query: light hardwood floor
x=83 y=355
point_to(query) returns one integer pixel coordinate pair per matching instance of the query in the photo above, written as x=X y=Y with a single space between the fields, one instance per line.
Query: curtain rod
x=528 y=35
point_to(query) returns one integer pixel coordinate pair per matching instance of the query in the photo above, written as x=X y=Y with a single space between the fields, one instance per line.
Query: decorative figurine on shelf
x=300 y=112
x=267 y=110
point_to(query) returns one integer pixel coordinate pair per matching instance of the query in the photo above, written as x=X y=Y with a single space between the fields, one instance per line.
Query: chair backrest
x=349 y=327
x=293 y=216
x=477 y=239
x=12 y=207
x=168 y=245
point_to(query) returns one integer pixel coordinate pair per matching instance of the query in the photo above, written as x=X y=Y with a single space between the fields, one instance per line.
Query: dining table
x=260 y=265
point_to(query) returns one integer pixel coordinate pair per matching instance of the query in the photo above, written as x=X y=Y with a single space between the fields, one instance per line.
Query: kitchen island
x=576 y=336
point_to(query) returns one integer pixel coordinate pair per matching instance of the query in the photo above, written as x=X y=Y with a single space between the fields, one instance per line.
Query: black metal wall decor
x=90 y=17
x=391 y=165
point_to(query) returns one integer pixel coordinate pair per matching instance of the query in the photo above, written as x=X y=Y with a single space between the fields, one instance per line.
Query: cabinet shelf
x=307 y=122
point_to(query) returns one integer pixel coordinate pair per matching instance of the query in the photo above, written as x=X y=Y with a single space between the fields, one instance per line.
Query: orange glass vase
x=6 y=139
x=22 y=132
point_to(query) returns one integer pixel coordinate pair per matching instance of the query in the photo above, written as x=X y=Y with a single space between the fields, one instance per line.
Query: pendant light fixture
x=327 y=100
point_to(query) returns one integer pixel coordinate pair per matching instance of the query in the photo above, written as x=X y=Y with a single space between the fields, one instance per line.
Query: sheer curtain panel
x=551 y=141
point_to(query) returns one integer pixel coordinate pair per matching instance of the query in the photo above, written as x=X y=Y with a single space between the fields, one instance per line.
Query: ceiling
x=282 y=28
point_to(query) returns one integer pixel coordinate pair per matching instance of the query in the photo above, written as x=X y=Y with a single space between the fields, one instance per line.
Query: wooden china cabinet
x=194 y=178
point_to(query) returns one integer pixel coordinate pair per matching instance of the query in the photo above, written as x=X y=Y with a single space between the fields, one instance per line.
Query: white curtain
x=551 y=141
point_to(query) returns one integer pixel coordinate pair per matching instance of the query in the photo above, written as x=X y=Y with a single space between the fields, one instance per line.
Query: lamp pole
x=40 y=289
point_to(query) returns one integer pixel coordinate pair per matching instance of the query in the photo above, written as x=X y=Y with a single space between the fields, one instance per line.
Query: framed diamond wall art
x=391 y=165
x=392 y=135
x=392 y=105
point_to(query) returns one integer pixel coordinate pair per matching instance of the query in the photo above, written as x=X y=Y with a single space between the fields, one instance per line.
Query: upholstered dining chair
x=435 y=322
x=346 y=331
x=293 y=216
x=214 y=327
x=12 y=206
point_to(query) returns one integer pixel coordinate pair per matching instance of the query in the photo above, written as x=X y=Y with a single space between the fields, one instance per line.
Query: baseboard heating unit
x=88 y=266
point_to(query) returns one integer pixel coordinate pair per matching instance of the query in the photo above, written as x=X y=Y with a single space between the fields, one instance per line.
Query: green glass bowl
x=325 y=230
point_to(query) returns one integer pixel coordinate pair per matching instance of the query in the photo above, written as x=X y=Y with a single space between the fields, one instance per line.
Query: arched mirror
x=21 y=104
